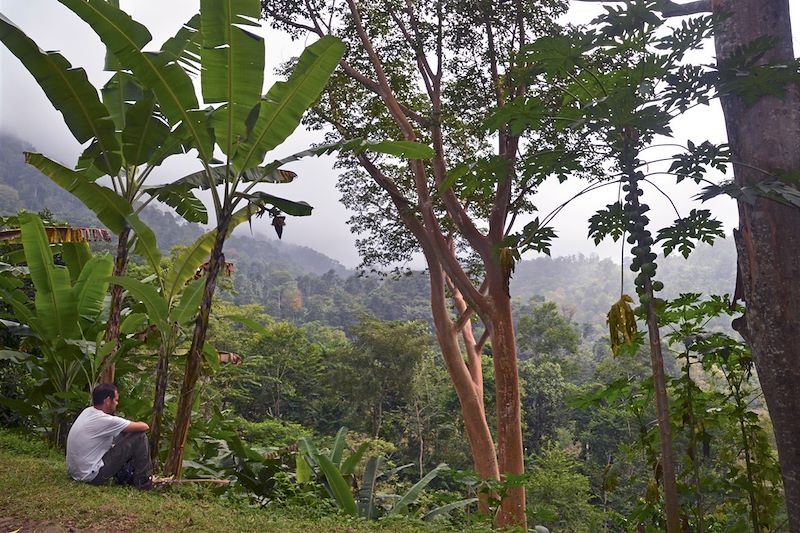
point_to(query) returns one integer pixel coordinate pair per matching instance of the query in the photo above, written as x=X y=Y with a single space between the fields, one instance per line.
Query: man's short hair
x=103 y=391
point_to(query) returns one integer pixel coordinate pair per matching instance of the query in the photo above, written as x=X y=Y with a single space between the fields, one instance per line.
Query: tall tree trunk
x=162 y=375
x=509 y=414
x=671 y=506
x=470 y=397
x=765 y=142
x=107 y=367
x=194 y=359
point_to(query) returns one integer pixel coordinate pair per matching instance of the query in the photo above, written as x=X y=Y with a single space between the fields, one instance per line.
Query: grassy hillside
x=38 y=496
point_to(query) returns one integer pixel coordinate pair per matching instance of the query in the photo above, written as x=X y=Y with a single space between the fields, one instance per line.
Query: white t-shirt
x=89 y=439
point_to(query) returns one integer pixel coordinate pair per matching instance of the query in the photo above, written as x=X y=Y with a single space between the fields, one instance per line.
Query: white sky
x=25 y=112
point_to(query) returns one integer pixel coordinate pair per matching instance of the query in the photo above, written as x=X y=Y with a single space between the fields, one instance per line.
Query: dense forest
x=499 y=388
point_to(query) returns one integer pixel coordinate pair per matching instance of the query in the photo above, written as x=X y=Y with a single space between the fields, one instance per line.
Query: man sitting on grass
x=101 y=446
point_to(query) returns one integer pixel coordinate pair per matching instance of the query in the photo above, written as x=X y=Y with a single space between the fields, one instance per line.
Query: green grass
x=36 y=488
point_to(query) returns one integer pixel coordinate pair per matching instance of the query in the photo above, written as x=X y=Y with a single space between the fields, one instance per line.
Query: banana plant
x=129 y=138
x=241 y=126
x=337 y=476
x=64 y=322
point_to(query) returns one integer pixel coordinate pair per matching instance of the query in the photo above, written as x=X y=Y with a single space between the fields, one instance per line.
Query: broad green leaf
x=92 y=285
x=75 y=256
x=189 y=304
x=339 y=487
x=211 y=356
x=56 y=306
x=297 y=209
x=118 y=93
x=349 y=465
x=338 y=446
x=148 y=295
x=144 y=131
x=366 y=494
x=414 y=492
x=302 y=470
x=251 y=324
x=286 y=102
x=444 y=509
x=186 y=264
x=111 y=209
x=184 y=47
x=133 y=323
x=70 y=92
x=158 y=71
x=233 y=66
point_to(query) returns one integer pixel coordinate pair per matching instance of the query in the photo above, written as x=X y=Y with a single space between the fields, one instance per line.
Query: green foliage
x=559 y=494
x=60 y=347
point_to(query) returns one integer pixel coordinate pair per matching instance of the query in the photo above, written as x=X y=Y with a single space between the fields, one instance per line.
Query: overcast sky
x=26 y=113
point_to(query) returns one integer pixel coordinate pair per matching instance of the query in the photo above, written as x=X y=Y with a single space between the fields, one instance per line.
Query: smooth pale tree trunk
x=469 y=393
x=107 y=367
x=765 y=140
x=508 y=402
x=194 y=360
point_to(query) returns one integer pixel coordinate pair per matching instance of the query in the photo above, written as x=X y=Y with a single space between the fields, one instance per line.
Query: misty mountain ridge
x=24 y=187
x=271 y=273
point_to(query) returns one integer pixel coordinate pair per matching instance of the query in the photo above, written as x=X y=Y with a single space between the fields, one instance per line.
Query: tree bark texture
x=157 y=420
x=194 y=360
x=765 y=142
x=107 y=367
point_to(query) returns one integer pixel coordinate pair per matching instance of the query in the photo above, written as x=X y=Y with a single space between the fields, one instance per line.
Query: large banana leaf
x=55 y=301
x=366 y=494
x=187 y=263
x=158 y=71
x=75 y=255
x=111 y=209
x=70 y=92
x=118 y=92
x=148 y=295
x=338 y=446
x=184 y=47
x=414 y=492
x=92 y=285
x=297 y=209
x=145 y=131
x=233 y=66
x=189 y=303
x=286 y=102
x=338 y=486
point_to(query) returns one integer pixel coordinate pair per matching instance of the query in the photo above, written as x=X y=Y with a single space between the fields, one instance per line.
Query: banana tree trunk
x=194 y=360
x=764 y=137
x=157 y=420
x=107 y=367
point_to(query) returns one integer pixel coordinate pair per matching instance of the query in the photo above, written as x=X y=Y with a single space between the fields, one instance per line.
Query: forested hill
x=24 y=187
x=302 y=285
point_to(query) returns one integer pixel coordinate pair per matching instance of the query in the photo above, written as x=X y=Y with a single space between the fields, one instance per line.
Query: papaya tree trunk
x=107 y=367
x=194 y=359
x=672 y=508
x=764 y=136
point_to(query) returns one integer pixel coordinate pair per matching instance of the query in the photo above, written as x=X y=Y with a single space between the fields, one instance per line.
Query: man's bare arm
x=135 y=427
